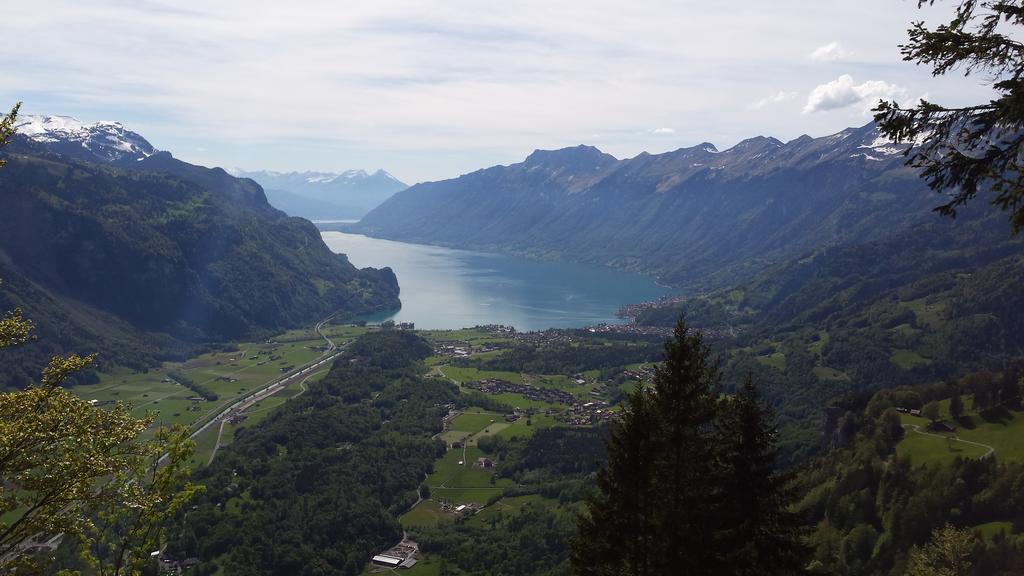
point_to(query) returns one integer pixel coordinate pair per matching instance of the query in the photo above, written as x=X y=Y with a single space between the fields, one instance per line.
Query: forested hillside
x=160 y=256
x=696 y=217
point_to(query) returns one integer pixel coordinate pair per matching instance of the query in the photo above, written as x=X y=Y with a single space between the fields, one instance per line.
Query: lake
x=444 y=288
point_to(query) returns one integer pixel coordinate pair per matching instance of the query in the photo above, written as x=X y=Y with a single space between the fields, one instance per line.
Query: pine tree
x=689 y=486
x=617 y=535
x=965 y=150
x=761 y=536
x=685 y=402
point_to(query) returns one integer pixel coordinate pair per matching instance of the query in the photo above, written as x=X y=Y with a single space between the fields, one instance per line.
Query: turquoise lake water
x=444 y=288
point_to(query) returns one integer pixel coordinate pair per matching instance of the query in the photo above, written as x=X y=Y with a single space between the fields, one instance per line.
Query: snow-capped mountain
x=326 y=195
x=108 y=142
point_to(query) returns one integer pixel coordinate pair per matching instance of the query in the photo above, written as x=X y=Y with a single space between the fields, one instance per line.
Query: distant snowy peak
x=103 y=141
x=348 y=177
x=353 y=175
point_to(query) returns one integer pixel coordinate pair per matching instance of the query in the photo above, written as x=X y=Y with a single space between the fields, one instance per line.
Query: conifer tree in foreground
x=689 y=486
x=761 y=535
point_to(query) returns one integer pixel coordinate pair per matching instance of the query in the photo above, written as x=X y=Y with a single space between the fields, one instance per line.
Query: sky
x=429 y=90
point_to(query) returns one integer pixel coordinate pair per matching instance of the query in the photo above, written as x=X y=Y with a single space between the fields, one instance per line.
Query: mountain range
x=696 y=217
x=110 y=245
x=326 y=195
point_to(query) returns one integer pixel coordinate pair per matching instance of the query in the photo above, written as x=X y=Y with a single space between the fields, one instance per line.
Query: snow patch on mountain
x=108 y=141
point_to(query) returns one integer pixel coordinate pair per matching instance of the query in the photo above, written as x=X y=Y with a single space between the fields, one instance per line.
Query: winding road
x=917 y=429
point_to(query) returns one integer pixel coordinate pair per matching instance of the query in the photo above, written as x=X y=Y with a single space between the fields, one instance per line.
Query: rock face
x=103 y=236
x=696 y=216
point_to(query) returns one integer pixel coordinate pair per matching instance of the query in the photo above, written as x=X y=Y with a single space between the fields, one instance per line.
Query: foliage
x=965 y=150
x=328 y=472
x=678 y=493
x=68 y=467
x=948 y=553
x=530 y=541
x=872 y=507
x=7 y=128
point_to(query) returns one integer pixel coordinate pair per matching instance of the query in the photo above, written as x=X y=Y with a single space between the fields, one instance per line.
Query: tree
x=68 y=467
x=949 y=553
x=617 y=536
x=7 y=129
x=688 y=486
x=931 y=411
x=965 y=150
x=763 y=537
x=956 y=406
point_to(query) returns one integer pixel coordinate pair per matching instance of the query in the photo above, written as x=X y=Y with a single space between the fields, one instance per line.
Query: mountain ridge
x=159 y=254
x=697 y=217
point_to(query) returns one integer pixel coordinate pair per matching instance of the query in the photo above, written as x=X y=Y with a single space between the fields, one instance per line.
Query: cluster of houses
x=643 y=373
x=459 y=349
x=632 y=311
x=587 y=413
x=634 y=329
x=467 y=509
x=529 y=391
x=545 y=337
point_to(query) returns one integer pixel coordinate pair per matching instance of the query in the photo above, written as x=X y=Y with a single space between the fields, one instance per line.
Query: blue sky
x=431 y=90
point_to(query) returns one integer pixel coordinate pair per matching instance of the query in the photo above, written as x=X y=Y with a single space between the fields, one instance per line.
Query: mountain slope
x=696 y=216
x=164 y=246
x=326 y=195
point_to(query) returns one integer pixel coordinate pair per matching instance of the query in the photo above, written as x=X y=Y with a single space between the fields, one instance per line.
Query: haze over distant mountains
x=696 y=216
x=326 y=195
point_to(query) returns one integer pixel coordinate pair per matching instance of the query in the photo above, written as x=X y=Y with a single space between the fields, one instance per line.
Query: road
x=270 y=388
x=223 y=421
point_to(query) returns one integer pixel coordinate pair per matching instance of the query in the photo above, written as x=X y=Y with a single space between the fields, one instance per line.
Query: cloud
x=662 y=131
x=830 y=53
x=434 y=89
x=842 y=92
x=779 y=98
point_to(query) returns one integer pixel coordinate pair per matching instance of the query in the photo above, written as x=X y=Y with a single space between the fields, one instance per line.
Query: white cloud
x=779 y=98
x=830 y=53
x=842 y=92
x=435 y=89
x=662 y=131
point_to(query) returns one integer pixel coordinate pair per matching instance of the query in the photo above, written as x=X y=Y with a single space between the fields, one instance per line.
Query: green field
x=508 y=506
x=228 y=374
x=826 y=374
x=1002 y=432
x=990 y=530
x=775 y=360
x=460 y=374
x=921 y=448
x=426 y=513
x=816 y=346
x=907 y=359
x=520 y=429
